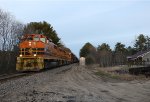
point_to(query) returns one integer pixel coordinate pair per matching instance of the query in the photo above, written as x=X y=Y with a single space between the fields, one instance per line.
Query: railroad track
x=11 y=76
x=7 y=77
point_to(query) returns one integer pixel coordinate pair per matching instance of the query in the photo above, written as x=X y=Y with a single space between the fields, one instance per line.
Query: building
x=140 y=58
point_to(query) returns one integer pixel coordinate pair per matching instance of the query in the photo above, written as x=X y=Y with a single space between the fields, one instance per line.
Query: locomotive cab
x=34 y=37
x=32 y=45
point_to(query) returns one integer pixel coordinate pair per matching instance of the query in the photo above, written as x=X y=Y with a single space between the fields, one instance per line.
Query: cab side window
x=43 y=40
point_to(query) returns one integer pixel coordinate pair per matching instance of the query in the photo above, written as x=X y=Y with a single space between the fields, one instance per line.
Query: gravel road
x=73 y=83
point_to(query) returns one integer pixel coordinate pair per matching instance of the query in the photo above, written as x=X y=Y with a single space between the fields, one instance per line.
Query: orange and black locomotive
x=37 y=51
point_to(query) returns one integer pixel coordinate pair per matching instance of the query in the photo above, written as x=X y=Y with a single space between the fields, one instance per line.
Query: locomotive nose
x=28 y=44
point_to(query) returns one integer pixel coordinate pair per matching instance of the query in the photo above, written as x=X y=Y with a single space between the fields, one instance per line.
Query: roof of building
x=139 y=54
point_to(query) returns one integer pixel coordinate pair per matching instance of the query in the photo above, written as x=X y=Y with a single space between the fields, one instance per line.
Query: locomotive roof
x=34 y=35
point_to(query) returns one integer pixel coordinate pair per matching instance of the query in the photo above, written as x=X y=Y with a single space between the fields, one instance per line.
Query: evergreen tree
x=42 y=28
x=130 y=51
x=147 y=42
x=87 y=49
x=119 y=47
x=120 y=54
x=103 y=47
x=89 y=52
x=140 y=43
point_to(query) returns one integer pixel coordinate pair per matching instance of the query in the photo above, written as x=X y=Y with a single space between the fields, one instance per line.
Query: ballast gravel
x=72 y=83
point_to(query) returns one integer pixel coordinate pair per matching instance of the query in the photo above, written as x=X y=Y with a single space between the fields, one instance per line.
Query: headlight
x=34 y=55
x=29 y=43
x=20 y=55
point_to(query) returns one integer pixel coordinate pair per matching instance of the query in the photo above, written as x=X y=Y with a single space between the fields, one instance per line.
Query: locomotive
x=36 y=52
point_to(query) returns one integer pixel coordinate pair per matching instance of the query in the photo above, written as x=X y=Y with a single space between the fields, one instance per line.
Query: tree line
x=11 y=31
x=105 y=56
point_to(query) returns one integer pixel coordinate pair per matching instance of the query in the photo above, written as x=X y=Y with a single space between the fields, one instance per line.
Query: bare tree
x=15 y=35
x=5 y=29
x=10 y=31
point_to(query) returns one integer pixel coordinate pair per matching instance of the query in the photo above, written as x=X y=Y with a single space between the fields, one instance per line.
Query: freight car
x=37 y=51
x=74 y=58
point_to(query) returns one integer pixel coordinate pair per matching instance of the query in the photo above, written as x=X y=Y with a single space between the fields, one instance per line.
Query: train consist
x=37 y=52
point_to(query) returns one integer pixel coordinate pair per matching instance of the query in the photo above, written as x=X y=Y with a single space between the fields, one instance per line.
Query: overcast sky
x=81 y=21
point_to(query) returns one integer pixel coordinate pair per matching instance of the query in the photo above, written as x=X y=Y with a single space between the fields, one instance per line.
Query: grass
x=107 y=74
x=110 y=72
x=102 y=73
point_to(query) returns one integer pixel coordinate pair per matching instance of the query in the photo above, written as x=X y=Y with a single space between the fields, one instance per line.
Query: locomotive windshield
x=34 y=38
x=38 y=38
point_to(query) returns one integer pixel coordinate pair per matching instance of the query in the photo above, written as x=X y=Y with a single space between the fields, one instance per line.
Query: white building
x=140 y=58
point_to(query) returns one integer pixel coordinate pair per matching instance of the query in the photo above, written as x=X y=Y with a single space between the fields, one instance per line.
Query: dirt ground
x=76 y=84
